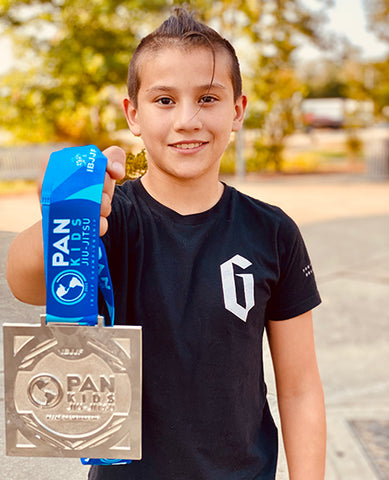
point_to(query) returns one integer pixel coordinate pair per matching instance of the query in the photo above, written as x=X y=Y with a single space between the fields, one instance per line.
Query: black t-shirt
x=203 y=286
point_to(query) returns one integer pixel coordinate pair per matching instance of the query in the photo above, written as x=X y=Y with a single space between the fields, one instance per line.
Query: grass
x=318 y=161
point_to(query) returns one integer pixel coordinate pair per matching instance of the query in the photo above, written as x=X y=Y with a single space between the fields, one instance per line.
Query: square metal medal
x=73 y=391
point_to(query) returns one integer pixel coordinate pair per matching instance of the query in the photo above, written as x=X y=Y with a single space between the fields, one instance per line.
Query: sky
x=346 y=17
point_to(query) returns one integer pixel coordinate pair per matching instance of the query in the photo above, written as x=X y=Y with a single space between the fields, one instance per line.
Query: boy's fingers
x=103 y=226
x=116 y=162
x=106 y=199
x=105 y=204
x=109 y=185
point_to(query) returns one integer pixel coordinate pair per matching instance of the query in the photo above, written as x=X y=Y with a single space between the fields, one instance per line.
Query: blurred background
x=316 y=73
x=315 y=142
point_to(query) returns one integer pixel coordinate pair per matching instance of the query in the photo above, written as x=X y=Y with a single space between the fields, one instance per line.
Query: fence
x=377 y=154
x=24 y=162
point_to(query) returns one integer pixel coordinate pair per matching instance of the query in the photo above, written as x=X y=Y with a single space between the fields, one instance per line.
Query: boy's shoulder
x=260 y=210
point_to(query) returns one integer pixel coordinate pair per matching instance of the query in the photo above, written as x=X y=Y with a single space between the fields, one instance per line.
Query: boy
x=204 y=270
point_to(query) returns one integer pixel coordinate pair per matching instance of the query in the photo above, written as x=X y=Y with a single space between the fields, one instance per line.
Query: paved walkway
x=345 y=222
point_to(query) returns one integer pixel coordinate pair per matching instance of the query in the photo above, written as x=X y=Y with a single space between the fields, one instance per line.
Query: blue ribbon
x=75 y=259
x=71 y=198
x=104 y=461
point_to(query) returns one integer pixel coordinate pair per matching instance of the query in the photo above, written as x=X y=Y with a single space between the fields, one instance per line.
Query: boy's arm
x=300 y=396
x=25 y=266
x=25 y=263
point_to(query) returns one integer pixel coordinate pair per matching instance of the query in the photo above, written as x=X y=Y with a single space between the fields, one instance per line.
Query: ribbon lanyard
x=75 y=259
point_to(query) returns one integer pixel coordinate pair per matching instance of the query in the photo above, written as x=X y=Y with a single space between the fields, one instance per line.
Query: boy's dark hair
x=182 y=30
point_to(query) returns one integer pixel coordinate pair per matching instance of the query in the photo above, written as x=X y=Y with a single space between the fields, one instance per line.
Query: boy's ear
x=240 y=109
x=131 y=116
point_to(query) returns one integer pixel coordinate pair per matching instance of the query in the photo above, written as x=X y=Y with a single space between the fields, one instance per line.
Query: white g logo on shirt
x=230 y=290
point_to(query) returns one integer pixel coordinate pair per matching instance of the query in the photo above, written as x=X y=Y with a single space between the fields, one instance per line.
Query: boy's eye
x=208 y=99
x=165 y=101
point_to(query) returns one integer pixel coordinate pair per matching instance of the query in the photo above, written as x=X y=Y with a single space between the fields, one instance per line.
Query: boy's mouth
x=187 y=145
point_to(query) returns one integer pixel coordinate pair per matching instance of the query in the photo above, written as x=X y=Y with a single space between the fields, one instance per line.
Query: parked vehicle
x=336 y=113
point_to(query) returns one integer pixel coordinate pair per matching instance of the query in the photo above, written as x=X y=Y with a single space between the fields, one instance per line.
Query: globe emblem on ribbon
x=44 y=391
x=69 y=287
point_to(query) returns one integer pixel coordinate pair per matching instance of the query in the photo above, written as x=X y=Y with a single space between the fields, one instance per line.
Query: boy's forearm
x=304 y=434
x=25 y=266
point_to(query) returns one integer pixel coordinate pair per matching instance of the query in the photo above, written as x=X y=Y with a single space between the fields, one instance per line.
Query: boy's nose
x=188 y=117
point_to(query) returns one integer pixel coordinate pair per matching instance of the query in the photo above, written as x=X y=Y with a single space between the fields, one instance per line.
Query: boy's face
x=185 y=122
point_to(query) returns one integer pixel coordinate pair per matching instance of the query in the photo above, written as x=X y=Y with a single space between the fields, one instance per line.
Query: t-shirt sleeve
x=295 y=291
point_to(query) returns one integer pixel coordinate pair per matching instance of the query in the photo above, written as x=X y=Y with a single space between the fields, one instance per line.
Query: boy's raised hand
x=115 y=171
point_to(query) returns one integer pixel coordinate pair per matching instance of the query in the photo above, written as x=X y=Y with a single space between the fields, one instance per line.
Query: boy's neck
x=185 y=197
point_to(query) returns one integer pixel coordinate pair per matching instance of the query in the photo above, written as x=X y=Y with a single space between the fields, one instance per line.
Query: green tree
x=324 y=79
x=378 y=72
x=267 y=34
x=376 y=85
x=79 y=54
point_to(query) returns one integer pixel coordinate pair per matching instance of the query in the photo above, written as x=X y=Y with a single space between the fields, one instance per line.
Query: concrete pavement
x=345 y=222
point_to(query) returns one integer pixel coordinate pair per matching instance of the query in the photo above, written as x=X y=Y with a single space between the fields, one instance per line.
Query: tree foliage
x=324 y=79
x=378 y=72
x=80 y=53
x=378 y=17
x=77 y=53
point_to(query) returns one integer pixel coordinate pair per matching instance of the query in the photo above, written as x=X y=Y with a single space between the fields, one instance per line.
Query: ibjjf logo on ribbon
x=230 y=287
